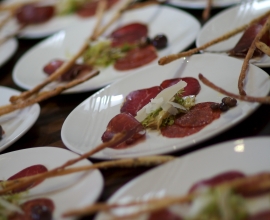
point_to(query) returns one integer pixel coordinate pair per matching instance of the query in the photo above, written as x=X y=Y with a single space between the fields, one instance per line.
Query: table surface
x=46 y=131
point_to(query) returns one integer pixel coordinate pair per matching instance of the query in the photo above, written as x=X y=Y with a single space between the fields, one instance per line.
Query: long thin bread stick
x=207 y=10
x=173 y=57
x=249 y=55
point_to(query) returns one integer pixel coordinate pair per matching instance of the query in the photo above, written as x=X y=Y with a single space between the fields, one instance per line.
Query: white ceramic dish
x=7 y=50
x=200 y=4
x=55 y=24
x=17 y=123
x=28 y=71
x=75 y=190
x=249 y=156
x=83 y=128
x=229 y=20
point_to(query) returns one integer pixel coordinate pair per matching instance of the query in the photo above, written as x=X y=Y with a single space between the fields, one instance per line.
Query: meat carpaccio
x=184 y=124
x=243 y=45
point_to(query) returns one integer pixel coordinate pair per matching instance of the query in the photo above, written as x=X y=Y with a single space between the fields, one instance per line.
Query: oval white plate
x=227 y=21
x=55 y=24
x=69 y=191
x=200 y=4
x=28 y=71
x=17 y=123
x=175 y=178
x=83 y=128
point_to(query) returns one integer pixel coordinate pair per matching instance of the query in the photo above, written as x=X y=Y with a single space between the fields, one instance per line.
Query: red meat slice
x=34 y=14
x=199 y=115
x=89 y=8
x=193 y=86
x=29 y=171
x=138 y=99
x=243 y=45
x=136 y=58
x=74 y=72
x=124 y=123
x=164 y=214
x=128 y=34
x=175 y=131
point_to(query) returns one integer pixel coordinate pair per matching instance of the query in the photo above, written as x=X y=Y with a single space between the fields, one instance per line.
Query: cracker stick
x=264 y=100
x=249 y=55
x=207 y=10
x=263 y=47
x=131 y=162
x=45 y=95
x=249 y=184
x=172 y=57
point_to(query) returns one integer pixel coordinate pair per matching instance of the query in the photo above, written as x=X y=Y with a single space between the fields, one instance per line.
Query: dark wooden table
x=46 y=130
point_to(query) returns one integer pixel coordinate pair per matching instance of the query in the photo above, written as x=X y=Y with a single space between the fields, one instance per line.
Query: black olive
x=160 y=41
x=214 y=106
x=231 y=102
x=41 y=212
x=223 y=107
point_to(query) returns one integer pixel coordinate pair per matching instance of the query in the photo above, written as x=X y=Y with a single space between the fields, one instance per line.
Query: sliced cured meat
x=164 y=214
x=124 y=123
x=193 y=86
x=75 y=71
x=29 y=171
x=175 y=131
x=199 y=115
x=264 y=215
x=217 y=179
x=129 y=34
x=243 y=45
x=137 y=99
x=41 y=209
x=88 y=9
x=34 y=14
x=136 y=58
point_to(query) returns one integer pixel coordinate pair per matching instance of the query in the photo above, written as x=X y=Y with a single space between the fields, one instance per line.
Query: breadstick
x=249 y=55
x=264 y=100
x=172 y=57
x=207 y=10
x=263 y=47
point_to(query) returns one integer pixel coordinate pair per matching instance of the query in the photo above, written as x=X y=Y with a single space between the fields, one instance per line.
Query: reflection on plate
x=54 y=25
x=75 y=190
x=199 y=4
x=28 y=71
x=17 y=123
x=85 y=125
x=229 y=20
x=7 y=50
x=175 y=178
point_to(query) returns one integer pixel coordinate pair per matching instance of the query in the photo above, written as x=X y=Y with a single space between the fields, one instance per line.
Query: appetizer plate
x=28 y=71
x=229 y=20
x=55 y=24
x=17 y=123
x=83 y=128
x=176 y=177
x=200 y=4
x=69 y=191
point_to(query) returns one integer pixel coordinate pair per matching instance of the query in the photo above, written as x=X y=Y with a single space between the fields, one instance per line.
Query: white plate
x=83 y=128
x=200 y=4
x=28 y=71
x=69 y=191
x=227 y=21
x=17 y=123
x=175 y=178
x=54 y=25
x=7 y=50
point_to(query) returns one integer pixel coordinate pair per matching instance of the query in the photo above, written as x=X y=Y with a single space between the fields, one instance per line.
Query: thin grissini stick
x=66 y=66
x=264 y=100
x=249 y=184
x=130 y=162
x=100 y=11
x=249 y=55
x=207 y=10
x=173 y=57
x=45 y=95
x=117 y=139
x=263 y=47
